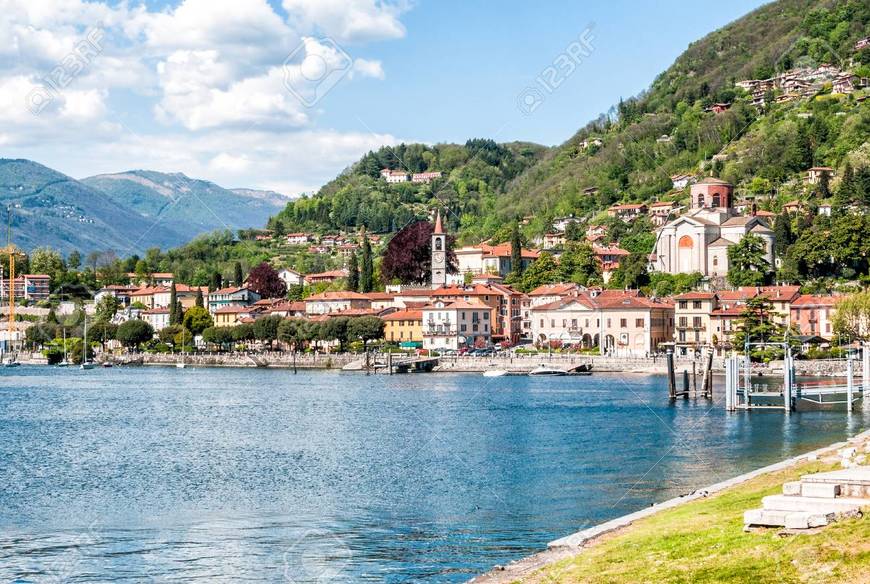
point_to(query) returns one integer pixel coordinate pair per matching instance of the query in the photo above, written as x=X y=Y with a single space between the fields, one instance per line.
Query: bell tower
x=439 y=254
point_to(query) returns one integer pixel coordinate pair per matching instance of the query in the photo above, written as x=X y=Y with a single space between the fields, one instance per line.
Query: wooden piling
x=685 y=384
x=694 y=381
x=672 y=381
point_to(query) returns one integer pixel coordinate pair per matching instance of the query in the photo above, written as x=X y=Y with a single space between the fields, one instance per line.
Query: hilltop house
x=627 y=212
x=815 y=174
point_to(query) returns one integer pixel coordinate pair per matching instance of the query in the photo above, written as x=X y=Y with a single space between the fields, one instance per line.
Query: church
x=698 y=241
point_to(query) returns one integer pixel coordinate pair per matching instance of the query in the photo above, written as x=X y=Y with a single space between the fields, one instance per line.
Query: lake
x=228 y=475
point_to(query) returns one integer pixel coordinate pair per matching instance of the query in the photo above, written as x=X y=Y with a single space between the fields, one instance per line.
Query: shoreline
x=515 y=364
x=574 y=544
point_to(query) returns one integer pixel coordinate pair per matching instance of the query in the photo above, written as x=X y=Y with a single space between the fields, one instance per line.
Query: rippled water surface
x=221 y=475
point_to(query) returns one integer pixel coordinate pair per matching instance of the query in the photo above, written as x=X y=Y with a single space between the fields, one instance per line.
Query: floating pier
x=742 y=394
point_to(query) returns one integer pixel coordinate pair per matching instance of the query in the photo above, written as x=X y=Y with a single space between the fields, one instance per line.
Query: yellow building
x=404 y=326
x=231 y=315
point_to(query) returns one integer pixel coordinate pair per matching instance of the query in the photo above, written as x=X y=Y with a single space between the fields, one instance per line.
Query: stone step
x=820 y=490
x=853 y=482
x=787 y=519
x=840 y=505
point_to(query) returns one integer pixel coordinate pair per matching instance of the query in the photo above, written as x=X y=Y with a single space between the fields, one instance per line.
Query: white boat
x=11 y=364
x=86 y=364
x=496 y=373
x=547 y=370
x=65 y=362
x=180 y=365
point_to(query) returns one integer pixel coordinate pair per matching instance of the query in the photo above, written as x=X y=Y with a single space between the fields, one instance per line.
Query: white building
x=291 y=277
x=698 y=241
x=158 y=318
x=451 y=325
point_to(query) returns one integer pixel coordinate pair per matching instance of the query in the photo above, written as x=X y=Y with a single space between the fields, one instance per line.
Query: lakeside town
x=466 y=309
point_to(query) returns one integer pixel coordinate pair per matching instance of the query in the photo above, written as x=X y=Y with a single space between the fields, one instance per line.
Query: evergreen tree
x=238 y=275
x=747 y=265
x=516 y=252
x=824 y=185
x=782 y=233
x=846 y=193
x=217 y=281
x=366 y=277
x=543 y=270
x=173 y=305
x=179 y=313
x=199 y=299
x=352 y=273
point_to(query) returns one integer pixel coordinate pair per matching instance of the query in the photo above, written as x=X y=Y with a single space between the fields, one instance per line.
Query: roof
x=774 y=292
x=721 y=242
x=815 y=300
x=161 y=310
x=458 y=304
x=230 y=290
x=761 y=229
x=328 y=274
x=553 y=289
x=341 y=295
x=405 y=315
x=713 y=181
x=232 y=309
x=379 y=295
x=662 y=204
x=696 y=296
x=504 y=250
x=611 y=250
x=149 y=291
x=822 y=168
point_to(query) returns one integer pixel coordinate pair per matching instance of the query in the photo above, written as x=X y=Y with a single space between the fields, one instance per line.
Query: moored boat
x=546 y=370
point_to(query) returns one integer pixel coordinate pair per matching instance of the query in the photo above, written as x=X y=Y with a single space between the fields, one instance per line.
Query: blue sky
x=225 y=89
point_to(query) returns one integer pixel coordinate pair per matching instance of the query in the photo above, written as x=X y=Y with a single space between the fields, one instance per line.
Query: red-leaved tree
x=264 y=281
x=408 y=259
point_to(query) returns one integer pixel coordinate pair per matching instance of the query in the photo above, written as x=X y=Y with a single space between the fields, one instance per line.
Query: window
x=683 y=321
x=573 y=323
x=696 y=305
x=696 y=322
x=684 y=304
x=474 y=327
x=623 y=323
x=638 y=323
x=463 y=328
x=608 y=323
x=542 y=323
x=485 y=316
x=438 y=244
x=564 y=323
x=552 y=323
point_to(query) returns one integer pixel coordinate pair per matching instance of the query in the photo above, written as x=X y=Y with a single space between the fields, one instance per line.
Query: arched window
x=700 y=199
x=438 y=245
x=716 y=200
x=715 y=261
x=686 y=242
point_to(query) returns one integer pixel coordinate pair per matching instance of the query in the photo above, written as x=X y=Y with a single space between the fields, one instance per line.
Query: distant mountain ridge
x=125 y=212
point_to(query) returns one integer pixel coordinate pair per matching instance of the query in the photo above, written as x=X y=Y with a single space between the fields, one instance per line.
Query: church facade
x=698 y=241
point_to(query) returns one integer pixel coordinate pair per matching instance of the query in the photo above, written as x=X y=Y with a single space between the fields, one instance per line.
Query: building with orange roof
x=231 y=296
x=490 y=259
x=505 y=302
x=232 y=315
x=450 y=325
x=325 y=277
x=813 y=315
x=404 y=327
x=327 y=302
x=618 y=322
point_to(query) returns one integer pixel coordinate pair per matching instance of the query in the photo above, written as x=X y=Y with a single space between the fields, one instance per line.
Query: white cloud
x=368 y=68
x=349 y=20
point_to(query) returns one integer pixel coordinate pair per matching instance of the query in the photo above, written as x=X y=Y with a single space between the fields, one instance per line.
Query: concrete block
x=765 y=518
x=823 y=490
x=792 y=488
x=811 y=504
x=803 y=520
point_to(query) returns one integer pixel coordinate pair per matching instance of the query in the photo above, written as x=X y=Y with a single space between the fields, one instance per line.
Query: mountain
x=629 y=154
x=185 y=205
x=50 y=208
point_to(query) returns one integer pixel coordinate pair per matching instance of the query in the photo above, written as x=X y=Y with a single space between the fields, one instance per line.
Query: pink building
x=813 y=315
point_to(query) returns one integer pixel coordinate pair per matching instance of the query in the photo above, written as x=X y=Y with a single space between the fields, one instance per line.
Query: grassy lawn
x=704 y=541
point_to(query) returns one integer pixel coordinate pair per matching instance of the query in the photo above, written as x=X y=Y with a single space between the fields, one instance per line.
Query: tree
x=846 y=193
x=824 y=185
x=852 y=317
x=631 y=273
x=243 y=332
x=197 y=319
x=747 y=265
x=758 y=325
x=266 y=282
x=216 y=281
x=103 y=332
x=366 y=328
x=199 y=302
x=407 y=258
x=579 y=264
x=168 y=333
x=74 y=260
x=336 y=329
x=292 y=332
x=366 y=273
x=266 y=329
x=782 y=233
x=238 y=275
x=106 y=308
x=45 y=260
x=516 y=252
x=133 y=333
x=174 y=317
x=352 y=273
x=543 y=270
x=218 y=335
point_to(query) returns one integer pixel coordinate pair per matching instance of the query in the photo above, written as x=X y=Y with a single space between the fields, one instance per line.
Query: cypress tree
x=516 y=251
x=366 y=277
x=239 y=277
x=173 y=305
x=199 y=299
x=353 y=273
x=217 y=281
